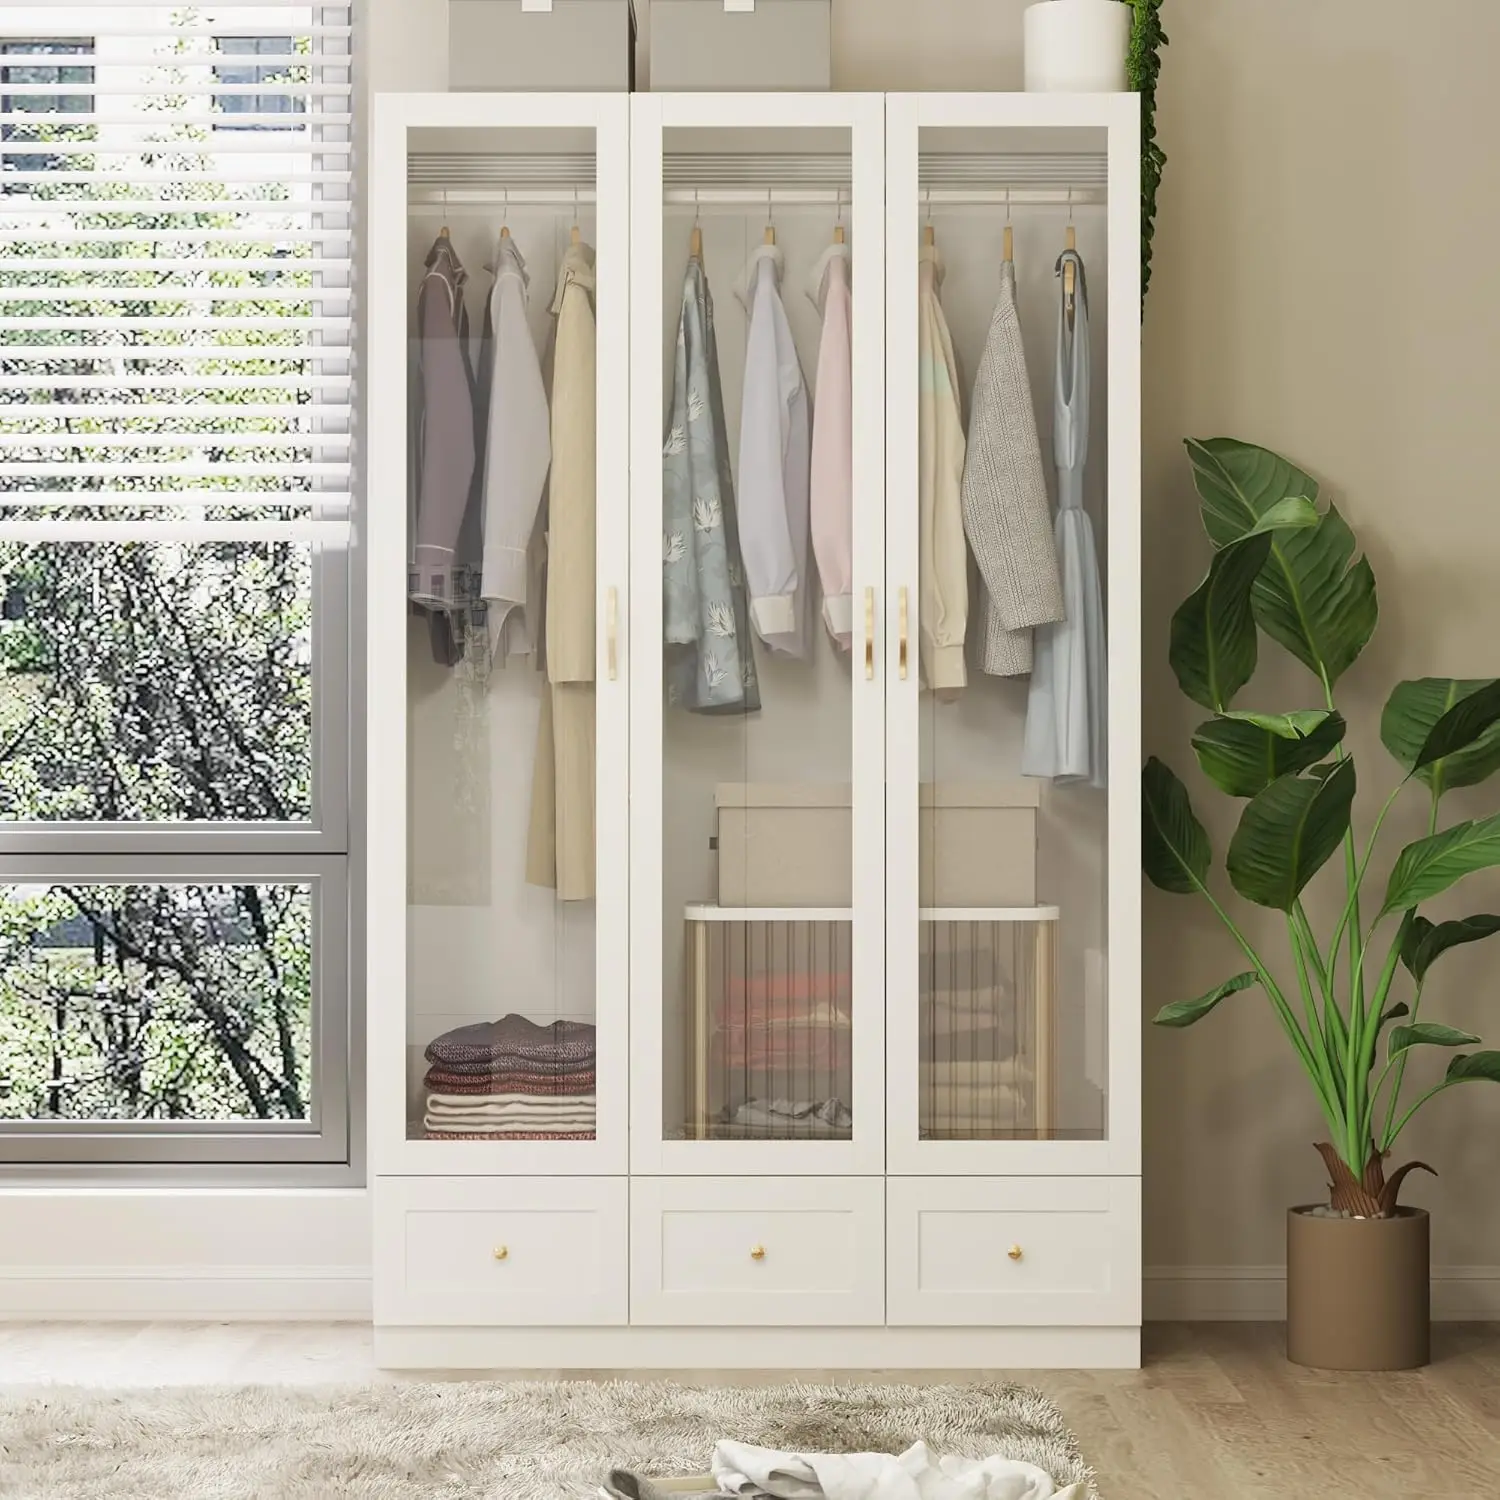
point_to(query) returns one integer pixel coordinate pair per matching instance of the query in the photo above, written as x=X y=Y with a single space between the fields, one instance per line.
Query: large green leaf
x=1287 y=832
x=1185 y=1012
x=1431 y=865
x=1425 y=941
x=1243 y=753
x=1312 y=597
x=1175 y=851
x=1445 y=729
x=1213 y=646
x=1474 y=1065
x=1429 y=1034
x=1238 y=483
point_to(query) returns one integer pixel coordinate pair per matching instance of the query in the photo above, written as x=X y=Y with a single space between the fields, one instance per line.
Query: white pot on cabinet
x=1077 y=46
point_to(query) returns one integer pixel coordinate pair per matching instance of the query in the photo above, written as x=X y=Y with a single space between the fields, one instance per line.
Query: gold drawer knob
x=757 y=1252
x=502 y=1252
x=1014 y=1252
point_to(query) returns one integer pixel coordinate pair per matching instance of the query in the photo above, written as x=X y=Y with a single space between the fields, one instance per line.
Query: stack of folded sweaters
x=512 y=1079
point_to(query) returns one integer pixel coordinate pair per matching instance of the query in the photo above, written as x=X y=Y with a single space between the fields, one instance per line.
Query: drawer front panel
x=501 y=1251
x=757 y=1250
x=1014 y=1251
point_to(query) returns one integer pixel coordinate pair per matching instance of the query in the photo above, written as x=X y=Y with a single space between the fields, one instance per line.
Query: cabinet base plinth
x=771 y=1349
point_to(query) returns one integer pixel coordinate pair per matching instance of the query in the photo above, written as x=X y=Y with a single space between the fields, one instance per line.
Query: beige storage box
x=741 y=44
x=541 y=44
x=791 y=845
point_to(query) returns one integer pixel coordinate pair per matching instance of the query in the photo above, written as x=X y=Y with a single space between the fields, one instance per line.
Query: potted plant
x=1349 y=997
x=1077 y=46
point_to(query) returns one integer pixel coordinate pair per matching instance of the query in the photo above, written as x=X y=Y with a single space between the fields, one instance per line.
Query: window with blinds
x=175 y=485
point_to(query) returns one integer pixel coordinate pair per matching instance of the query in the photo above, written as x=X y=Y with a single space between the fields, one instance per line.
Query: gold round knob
x=757 y=1252
x=502 y=1252
x=1014 y=1252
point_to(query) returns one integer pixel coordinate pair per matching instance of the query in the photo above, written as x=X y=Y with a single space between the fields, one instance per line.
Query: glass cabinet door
x=757 y=490
x=497 y=589
x=1011 y=511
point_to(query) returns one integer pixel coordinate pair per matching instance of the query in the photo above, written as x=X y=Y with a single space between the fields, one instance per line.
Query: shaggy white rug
x=477 y=1441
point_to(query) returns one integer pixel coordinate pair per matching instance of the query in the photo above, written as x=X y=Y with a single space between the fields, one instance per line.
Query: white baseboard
x=213 y=1294
x=1253 y=1294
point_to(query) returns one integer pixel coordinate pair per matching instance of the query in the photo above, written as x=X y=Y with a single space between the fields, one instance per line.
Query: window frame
x=327 y=1148
x=296 y=104
x=83 y=47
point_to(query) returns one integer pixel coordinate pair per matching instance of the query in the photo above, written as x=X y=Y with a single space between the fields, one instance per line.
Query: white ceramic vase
x=1077 y=46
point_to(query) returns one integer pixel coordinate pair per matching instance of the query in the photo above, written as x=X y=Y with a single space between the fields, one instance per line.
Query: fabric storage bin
x=790 y=845
x=541 y=44
x=741 y=44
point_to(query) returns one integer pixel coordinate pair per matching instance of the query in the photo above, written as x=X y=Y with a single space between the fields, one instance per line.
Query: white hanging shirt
x=774 y=457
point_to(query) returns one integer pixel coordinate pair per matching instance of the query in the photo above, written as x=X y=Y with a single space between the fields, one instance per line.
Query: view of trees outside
x=166 y=682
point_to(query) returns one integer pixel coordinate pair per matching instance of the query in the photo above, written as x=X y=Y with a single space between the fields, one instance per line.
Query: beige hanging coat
x=560 y=844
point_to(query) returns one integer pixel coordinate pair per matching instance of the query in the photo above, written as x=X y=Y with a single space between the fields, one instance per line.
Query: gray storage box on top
x=791 y=845
x=741 y=44
x=541 y=44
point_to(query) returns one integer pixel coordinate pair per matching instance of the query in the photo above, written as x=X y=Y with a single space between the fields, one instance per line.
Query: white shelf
x=707 y=913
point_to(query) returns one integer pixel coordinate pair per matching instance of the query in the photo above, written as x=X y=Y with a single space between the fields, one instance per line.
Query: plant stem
x=1318 y=1042
x=1335 y=1034
x=1437 y=1088
x=1279 y=1004
x=1388 y=1135
x=1365 y=1114
x=1351 y=906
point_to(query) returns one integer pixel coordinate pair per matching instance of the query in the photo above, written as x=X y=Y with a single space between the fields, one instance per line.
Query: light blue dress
x=1066 y=713
x=710 y=667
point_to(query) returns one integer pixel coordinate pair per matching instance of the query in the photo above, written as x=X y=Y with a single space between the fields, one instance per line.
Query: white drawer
x=501 y=1250
x=954 y=1243
x=757 y=1250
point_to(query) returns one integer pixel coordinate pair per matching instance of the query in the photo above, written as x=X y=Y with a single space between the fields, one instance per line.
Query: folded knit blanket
x=514 y=1037
x=529 y=1066
x=440 y=1133
x=559 y=1104
x=444 y=1081
x=507 y=1114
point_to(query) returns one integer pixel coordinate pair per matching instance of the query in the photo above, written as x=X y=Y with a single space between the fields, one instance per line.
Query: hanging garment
x=1066 y=714
x=774 y=457
x=831 y=497
x=444 y=448
x=705 y=619
x=917 y=1474
x=1006 y=515
x=516 y=453
x=943 y=592
x=560 y=840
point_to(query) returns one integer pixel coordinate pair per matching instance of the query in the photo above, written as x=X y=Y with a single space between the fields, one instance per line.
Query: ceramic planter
x=1077 y=46
x=1357 y=1291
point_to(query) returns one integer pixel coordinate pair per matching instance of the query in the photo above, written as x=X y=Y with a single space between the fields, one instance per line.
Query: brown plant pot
x=1358 y=1296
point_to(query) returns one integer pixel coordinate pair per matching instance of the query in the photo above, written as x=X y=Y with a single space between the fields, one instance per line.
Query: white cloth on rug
x=765 y=1474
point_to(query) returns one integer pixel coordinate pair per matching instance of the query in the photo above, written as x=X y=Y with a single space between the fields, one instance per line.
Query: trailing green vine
x=1143 y=66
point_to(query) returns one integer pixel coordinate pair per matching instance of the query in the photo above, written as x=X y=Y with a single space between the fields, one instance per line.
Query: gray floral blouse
x=710 y=667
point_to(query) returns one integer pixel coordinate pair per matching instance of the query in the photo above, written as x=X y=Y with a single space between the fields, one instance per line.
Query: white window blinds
x=175 y=258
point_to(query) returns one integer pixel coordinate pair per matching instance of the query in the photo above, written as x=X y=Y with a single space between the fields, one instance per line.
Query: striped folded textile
x=514 y=1038
x=443 y=1081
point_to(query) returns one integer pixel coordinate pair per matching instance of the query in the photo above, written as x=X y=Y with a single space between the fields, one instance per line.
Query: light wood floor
x=1217 y=1414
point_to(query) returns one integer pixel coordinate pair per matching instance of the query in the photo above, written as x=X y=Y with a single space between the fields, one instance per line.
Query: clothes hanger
x=443 y=233
x=929 y=235
x=838 y=223
x=573 y=235
x=695 y=239
x=770 y=227
x=504 y=213
x=1008 y=253
x=1070 y=241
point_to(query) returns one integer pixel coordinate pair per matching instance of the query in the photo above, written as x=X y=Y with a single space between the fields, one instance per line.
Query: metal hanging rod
x=426 y=199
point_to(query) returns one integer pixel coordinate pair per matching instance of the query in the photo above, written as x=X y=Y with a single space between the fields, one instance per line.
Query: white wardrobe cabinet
x=739 y=991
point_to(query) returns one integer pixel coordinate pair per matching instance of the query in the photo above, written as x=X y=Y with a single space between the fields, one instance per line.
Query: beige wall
x=1323 y=285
